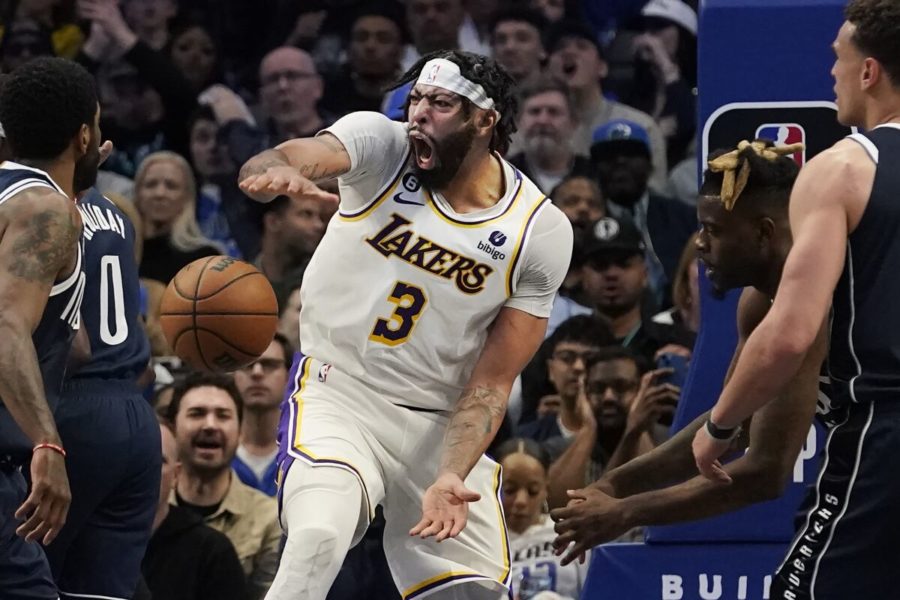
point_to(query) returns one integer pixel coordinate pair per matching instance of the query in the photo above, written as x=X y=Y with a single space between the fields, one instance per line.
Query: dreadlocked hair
x=759 y=169
x=497 y=83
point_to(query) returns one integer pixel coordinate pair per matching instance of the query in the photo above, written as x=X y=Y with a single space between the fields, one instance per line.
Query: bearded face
x=85 y=175
x=437 y=161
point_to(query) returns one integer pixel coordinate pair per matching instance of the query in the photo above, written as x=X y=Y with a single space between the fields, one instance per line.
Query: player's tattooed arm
x=38 y=244
x=262 y=162
x=472 y=426
x=294 y=168
x=319 y=158
x=513 y=339
x=46 y=244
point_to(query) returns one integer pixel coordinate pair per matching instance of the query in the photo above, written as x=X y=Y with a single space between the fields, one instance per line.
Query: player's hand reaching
x=45 y=509
x=591 y=517
x=284 y=180
x=445 y=508
x=707 y=451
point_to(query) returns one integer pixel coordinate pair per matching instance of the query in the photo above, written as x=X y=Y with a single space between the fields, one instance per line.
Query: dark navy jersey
x=111 y=310
x=53 y=336
x=864 y=357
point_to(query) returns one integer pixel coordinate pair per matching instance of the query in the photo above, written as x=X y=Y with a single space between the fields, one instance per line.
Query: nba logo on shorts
x=323 y=372
x=783 y=134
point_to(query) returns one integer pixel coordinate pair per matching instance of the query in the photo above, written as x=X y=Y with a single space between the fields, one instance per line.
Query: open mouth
x=423 y=148
x=208 y=444
x=569 y=67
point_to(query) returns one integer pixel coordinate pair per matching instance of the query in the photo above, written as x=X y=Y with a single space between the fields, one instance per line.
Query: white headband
x=443 y=73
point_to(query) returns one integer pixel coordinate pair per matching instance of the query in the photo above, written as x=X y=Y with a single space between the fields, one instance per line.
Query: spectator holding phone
x=625 y=411
x=650 y=413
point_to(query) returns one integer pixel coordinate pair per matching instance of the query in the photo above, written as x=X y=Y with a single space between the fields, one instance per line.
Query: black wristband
x=720 y=433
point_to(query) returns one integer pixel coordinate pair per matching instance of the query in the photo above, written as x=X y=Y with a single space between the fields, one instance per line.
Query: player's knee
x=309 y=562
x=314 y=546
x=315 y=495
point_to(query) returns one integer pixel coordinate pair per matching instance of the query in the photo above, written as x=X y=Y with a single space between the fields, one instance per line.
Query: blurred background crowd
x=190 y=89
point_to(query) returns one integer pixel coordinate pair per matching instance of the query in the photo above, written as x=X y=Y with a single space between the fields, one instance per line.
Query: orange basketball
x=219 y=314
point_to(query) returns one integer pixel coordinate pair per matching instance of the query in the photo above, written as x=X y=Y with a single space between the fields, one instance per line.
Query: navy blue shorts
x=113 y=460
x=24 y=572
x=846 y=547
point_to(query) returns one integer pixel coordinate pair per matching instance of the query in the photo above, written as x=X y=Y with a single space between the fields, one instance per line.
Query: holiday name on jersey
x=94 y=220
x=396 y=238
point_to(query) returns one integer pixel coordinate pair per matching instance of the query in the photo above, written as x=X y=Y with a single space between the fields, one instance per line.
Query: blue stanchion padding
x=713 y=350
x=682 y=571
x=763 y=71
x=764 y=50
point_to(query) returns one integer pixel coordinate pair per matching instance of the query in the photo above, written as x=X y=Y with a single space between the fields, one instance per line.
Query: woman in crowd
x=665 y=75
x=195 y=54
x=685 y=314
x=535 y=568
x=166 y=195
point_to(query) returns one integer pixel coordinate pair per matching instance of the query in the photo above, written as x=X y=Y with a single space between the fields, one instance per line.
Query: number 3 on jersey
x=396 y=329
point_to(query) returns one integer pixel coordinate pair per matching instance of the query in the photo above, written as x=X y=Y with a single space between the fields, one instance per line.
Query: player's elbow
x=793 y=335
x=12 y=326
x=771 y=486
x=765 y=479
x=793 y=343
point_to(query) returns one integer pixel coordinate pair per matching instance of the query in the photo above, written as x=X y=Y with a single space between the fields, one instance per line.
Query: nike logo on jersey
x=397 y=239
x=398 y=198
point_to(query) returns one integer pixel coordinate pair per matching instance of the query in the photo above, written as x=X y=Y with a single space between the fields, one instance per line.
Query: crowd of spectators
x=191 y=89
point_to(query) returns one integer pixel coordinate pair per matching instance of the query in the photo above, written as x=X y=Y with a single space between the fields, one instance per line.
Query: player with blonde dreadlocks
x=743 y=213
x=744 y=240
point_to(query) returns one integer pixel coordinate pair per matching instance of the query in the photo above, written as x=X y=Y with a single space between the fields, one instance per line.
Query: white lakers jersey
x=402 y=290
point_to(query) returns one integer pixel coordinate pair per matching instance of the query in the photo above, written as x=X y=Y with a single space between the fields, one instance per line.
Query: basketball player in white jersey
x=427 y=296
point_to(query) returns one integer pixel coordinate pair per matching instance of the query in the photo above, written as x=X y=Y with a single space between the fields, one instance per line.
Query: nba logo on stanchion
x=783 y=134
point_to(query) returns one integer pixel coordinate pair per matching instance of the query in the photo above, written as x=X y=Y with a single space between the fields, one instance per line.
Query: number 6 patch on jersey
x=396 y=329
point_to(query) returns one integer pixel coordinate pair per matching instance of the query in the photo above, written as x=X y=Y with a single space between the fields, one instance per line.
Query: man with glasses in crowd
x=568 y=351
x=624 y=411
x=262 y=384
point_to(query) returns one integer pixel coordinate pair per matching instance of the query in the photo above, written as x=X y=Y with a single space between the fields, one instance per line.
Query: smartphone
x=679 y=365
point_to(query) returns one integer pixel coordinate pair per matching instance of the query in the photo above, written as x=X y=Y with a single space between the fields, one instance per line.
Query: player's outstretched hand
x=284 y=180
x=445 y=508
x=590 y=518
x=46 y=507
x=707 y=451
